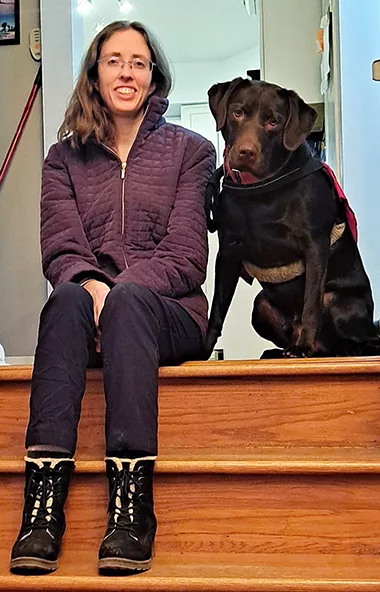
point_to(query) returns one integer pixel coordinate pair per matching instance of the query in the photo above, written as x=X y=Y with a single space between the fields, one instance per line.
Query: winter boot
x=128 y=542
x=38 y=544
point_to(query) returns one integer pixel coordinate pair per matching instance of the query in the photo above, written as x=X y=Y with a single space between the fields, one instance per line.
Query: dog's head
x=260 y=122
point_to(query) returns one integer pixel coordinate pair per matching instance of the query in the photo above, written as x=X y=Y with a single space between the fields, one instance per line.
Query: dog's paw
x=296 y=351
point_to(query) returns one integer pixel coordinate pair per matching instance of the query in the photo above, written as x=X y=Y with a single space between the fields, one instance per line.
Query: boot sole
x=33 y=563
x=119 y=564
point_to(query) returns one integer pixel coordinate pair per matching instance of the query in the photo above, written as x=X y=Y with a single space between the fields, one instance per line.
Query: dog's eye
x=238 y=113
x=273 y=122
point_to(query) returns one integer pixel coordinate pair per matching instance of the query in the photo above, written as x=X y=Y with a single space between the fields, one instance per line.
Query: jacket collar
x=153 y=117
x=152 y=120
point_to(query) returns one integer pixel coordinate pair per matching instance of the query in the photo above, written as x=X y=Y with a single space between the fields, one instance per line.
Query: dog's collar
x=300 y=164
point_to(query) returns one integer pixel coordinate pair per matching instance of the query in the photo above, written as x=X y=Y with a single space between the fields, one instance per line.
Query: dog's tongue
x=243 y=177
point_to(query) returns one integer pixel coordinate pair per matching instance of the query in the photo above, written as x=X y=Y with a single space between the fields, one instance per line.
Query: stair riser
x=225 y=414
x=327 y=515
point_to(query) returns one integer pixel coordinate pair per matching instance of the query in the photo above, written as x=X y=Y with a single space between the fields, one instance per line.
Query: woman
x=123 y=239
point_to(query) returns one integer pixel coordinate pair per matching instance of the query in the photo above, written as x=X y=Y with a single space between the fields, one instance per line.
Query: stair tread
x=261 y=460
x=214 y=572
x=330 y=403
x=238 y=368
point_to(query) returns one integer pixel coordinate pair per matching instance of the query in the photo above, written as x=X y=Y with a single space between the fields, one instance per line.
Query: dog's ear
x=300 y=121
x=218 y=97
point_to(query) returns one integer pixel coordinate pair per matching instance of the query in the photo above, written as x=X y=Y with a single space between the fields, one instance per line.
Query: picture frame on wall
x=9 y=22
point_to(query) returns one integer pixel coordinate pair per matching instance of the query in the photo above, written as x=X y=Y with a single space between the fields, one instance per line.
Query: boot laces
x=122 y=506
x=41 y=487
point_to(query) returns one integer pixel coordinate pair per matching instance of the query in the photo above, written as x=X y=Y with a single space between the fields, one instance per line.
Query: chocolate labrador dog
x=283 y=219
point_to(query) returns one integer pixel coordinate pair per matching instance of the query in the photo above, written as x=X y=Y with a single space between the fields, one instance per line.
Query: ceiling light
x=125 y=6
x=84 y=6
x=250 y=6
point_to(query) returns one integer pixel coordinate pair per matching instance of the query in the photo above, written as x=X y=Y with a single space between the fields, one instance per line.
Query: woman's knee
x=69 y=296
x=130 y=300
x=129 y=293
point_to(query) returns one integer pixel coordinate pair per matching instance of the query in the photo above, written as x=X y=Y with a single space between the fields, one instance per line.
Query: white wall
x=359 y=46
x=22 y=287
x=237 y=65
x=193 y=79
x=288 y=37
x=57 y=64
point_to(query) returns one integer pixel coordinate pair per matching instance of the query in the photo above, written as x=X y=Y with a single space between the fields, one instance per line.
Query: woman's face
x=124 y=73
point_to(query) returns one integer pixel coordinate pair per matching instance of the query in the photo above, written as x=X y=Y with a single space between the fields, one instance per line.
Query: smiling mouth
x=123 y=90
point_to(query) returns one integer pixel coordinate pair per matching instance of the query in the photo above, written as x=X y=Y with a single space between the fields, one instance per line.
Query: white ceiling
x=189 y=30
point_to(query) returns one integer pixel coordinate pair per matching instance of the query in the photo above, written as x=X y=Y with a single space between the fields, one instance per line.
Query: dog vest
x=303 y=164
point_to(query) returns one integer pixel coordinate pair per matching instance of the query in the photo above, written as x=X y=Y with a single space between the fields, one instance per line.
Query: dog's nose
x=246 y=151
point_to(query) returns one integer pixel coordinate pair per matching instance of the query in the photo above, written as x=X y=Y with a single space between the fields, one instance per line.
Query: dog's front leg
x=305 y=333
x=227 y=272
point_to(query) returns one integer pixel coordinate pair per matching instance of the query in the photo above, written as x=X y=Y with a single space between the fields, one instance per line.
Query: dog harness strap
x=211 y=199
x=275 y=275
x=350 y=215
x=337 y=232
x=285 y=273
x=275 y=183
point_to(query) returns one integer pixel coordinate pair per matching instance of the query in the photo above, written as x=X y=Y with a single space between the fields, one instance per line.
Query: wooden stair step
x=231 y=514
x=217 y=572
x=238 y=368
x=268 y=460
x=222 y=533
x=228 y=405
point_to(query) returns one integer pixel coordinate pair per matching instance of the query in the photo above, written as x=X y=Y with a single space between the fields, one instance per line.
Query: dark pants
x=140 y=331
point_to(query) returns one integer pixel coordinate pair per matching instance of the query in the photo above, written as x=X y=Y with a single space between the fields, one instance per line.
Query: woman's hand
x=98 y=291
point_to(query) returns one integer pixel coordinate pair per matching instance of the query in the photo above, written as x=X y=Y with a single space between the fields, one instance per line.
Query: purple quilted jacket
x=145 y=224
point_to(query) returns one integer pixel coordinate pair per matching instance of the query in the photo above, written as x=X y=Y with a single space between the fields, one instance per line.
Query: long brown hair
x=86 y=114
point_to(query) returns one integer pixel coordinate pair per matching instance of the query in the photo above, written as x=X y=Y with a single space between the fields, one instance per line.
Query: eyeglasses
x=136 y=65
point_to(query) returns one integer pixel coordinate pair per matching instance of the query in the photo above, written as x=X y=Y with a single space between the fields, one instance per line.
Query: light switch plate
x=376 y=70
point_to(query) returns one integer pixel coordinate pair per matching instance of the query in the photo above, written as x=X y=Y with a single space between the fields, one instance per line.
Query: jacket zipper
x=123 y=169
